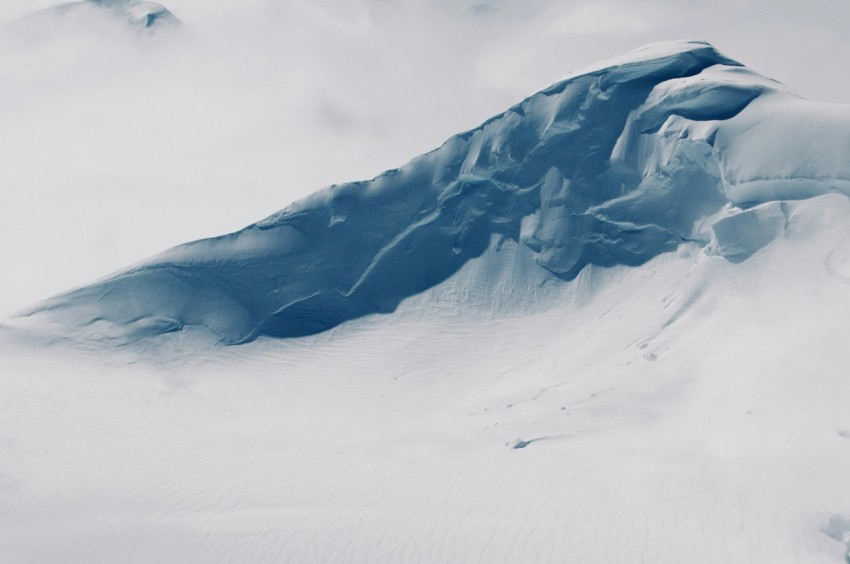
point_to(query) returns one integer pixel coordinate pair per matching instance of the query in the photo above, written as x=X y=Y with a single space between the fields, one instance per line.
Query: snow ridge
x=612 y=166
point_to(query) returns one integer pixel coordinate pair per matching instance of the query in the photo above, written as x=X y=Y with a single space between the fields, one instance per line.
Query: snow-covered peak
x=671 y=144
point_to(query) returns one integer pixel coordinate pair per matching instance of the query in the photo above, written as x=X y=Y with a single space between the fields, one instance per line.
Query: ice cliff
x=611 y=166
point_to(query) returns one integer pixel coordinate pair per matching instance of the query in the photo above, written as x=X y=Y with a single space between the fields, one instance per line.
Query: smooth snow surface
x=618 y=334
x=690 y=410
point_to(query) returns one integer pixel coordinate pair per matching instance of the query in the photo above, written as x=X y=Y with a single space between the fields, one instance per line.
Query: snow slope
x=690 y=410
x=618 y=335
x=611 y=166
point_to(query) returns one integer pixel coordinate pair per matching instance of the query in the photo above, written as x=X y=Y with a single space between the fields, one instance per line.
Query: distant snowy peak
x=138 y=14
x=674 y=143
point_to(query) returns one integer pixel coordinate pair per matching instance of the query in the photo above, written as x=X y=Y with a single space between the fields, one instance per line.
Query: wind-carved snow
x=692 y=409
x=613 y=166
x=139 y=14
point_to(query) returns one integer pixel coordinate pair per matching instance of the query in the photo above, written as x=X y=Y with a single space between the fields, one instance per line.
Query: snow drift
x=615 y=165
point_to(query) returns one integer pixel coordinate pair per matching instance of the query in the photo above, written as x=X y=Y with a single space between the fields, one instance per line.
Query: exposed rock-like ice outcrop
x=612 y=166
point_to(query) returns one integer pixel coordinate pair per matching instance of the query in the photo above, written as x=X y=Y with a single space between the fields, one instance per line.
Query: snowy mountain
x=618 y=335
x=138 y=14
x=615 y=165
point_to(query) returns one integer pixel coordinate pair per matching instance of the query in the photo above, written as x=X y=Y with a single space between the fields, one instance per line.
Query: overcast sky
x=117 y=145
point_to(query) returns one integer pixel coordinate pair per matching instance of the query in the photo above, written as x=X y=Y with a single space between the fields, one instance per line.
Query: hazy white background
x=115 y=145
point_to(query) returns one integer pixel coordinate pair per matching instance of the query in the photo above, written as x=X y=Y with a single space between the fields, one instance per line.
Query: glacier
x=674 y=143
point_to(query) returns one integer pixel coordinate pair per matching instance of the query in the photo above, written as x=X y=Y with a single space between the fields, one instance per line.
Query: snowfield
x=607 y=326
